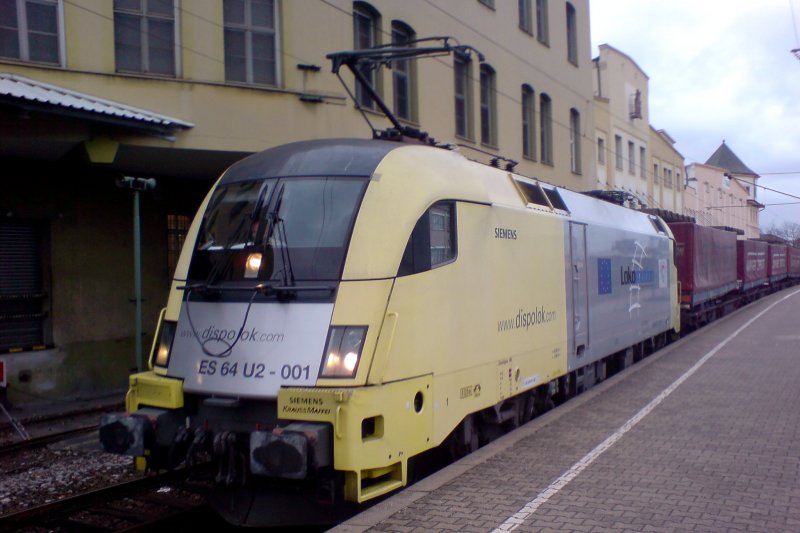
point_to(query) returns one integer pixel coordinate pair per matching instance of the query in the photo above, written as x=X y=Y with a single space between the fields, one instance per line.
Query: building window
x=572 y=35
x=528 y=122
x=488 y=106
x=177 y=228
x=601 y=151
x=546 y=129
x=642 y=163
x=251 y=41
x=542 y=23
x=631 y=158
x=618 y=151
x=29 y=30
x=668 y=178
x=403 y=82
x=144 y=36
x=24 y=303
x=463 y=95
x=678 y=180
x=525 y=16
x=366 y=34
x=575 y=140
x=656 y=179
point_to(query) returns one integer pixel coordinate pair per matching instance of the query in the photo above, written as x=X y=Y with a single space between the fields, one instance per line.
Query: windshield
x=300 y=226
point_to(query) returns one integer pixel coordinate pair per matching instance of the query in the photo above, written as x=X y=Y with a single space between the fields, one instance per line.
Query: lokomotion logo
x=630 y=276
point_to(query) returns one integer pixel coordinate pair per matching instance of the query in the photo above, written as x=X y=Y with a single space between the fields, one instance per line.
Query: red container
x=751 y=263
x=794 y=261
x=706 y=261
x=777 y=264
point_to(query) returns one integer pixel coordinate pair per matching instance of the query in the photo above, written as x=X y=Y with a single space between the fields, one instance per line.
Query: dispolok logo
x=213 y=333
x=526 y=319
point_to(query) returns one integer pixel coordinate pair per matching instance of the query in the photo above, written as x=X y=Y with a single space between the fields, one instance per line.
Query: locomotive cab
x=262 y=356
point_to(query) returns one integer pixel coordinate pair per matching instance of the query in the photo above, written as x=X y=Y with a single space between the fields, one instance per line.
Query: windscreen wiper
x=277 y=227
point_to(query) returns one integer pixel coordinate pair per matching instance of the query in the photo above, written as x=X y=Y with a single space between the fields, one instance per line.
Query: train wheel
x=465 y=438
x=527 y=408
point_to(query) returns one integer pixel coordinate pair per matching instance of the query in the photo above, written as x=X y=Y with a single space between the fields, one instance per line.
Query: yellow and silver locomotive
x=342 y=306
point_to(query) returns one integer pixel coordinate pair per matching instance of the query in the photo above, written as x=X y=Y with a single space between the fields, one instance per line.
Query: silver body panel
x=618 y=287
x=280 y=344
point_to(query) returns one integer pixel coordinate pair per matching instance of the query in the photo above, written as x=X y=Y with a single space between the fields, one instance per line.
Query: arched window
x=366 y=34
x=488 y=106
x=528 y=122
x=403 y=79
x=575 y=140
x=542 y=23
x=462 y=67
x=546 y=129
x=572 y=35
x=525 y=16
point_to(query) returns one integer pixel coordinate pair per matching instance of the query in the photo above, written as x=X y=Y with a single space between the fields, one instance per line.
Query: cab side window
x=433 y=241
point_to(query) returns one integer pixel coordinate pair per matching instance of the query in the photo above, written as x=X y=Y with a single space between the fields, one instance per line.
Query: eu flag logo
x=603 y=275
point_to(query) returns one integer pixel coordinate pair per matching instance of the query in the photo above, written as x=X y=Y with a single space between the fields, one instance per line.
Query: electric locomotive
x=342 y=306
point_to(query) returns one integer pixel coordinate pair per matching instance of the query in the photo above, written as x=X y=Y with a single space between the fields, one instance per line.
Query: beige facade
x=723 y=192
x=225 y=83
x=622 y=124
x=714 y=199
x=667 y=178
x=632 y=156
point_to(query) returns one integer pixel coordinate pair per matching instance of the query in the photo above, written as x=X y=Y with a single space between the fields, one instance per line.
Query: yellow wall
x=231 y=117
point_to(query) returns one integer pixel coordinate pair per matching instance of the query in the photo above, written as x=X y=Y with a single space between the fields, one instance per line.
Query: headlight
x=165 y=343
x=342 y=351
x=252 y=265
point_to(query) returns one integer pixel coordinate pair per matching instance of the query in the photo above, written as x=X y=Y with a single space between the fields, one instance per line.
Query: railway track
x=52 y=423
x=8 y=448
x=137 y=505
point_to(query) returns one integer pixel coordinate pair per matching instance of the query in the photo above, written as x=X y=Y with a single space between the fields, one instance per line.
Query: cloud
x=718 y=70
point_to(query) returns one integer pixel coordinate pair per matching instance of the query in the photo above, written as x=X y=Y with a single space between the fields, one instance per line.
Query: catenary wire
x=584 y=135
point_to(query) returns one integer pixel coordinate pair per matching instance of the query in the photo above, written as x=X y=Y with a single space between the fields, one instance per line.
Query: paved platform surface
x=702 y=436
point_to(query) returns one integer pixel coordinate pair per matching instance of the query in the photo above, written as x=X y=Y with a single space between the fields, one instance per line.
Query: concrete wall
x=88 y=278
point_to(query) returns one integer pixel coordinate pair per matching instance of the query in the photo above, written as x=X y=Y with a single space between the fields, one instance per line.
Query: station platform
x=702 y=436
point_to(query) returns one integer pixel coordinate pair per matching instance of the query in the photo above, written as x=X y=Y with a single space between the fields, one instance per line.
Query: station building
x=93 y=91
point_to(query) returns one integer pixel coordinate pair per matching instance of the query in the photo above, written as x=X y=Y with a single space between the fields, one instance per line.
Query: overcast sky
x=719 y=69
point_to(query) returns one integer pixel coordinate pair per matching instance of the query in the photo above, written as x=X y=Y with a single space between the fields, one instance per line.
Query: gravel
x=32 y=478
